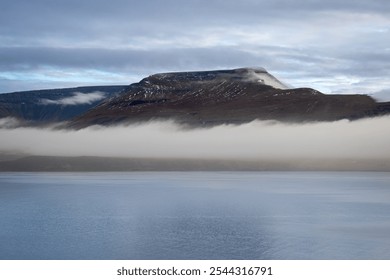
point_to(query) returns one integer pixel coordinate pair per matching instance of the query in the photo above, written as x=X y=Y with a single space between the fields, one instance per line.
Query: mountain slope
x=225 y=96
x=45 y=106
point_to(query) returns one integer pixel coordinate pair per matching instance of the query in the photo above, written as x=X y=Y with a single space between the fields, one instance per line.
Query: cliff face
x=225 y=96
x=46 y=106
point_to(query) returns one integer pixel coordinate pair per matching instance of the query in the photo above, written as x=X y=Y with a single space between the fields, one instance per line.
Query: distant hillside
x=53 y=105
x=100 y=164
x=225 y=96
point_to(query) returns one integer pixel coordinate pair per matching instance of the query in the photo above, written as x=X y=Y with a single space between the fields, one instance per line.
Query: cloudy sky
x=334 y=46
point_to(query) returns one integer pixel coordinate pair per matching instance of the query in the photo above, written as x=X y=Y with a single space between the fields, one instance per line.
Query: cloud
x=357 y=140
x=382 y=96
x=9 y=122
x=138 y=38
x=77 y=99
x=32 y=58
x=329 y=73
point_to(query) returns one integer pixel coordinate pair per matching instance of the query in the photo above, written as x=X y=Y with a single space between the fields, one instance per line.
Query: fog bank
x=363 y=139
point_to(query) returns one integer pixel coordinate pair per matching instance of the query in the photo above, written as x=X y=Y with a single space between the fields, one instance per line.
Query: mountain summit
x=234 y=96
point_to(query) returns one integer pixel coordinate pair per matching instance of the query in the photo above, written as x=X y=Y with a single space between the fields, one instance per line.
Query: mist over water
x=361 y=139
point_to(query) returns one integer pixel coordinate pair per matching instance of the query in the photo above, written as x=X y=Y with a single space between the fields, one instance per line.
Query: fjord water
x=195 y=215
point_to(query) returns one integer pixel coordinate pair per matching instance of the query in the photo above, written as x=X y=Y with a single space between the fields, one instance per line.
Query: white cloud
x=78 y=98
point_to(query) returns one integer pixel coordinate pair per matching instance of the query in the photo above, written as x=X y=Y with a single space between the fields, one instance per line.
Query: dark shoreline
x=108 y=164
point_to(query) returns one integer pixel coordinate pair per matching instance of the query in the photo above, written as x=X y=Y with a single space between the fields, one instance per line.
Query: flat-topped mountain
x=225 y=96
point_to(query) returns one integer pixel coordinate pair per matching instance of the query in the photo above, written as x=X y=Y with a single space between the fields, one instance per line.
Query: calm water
x=195 y=215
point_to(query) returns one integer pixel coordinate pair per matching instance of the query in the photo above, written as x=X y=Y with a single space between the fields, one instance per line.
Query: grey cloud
x=297 y=39
x=293 y=65
x=383 y=95
x=91 y=20
x=371 y=64
x=139 y=61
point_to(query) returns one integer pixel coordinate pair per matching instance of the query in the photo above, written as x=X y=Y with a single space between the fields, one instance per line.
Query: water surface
x=195 y=215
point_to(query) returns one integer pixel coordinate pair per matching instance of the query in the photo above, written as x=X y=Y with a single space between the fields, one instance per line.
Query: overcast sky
x=333 y=46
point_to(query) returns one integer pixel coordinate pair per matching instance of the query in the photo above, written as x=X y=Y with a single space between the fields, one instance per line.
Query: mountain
x=225 y=96
x=202 y=98
x=53 y=105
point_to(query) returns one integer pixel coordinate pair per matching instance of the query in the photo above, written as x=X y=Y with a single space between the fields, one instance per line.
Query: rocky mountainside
x=46 y=106
x=225 y=96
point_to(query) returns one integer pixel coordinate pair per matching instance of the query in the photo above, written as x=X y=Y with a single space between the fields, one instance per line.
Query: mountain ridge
x=193 y=98
x=207 y=98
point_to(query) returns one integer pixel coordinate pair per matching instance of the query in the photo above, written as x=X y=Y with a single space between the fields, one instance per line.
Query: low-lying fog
x=363 y=139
